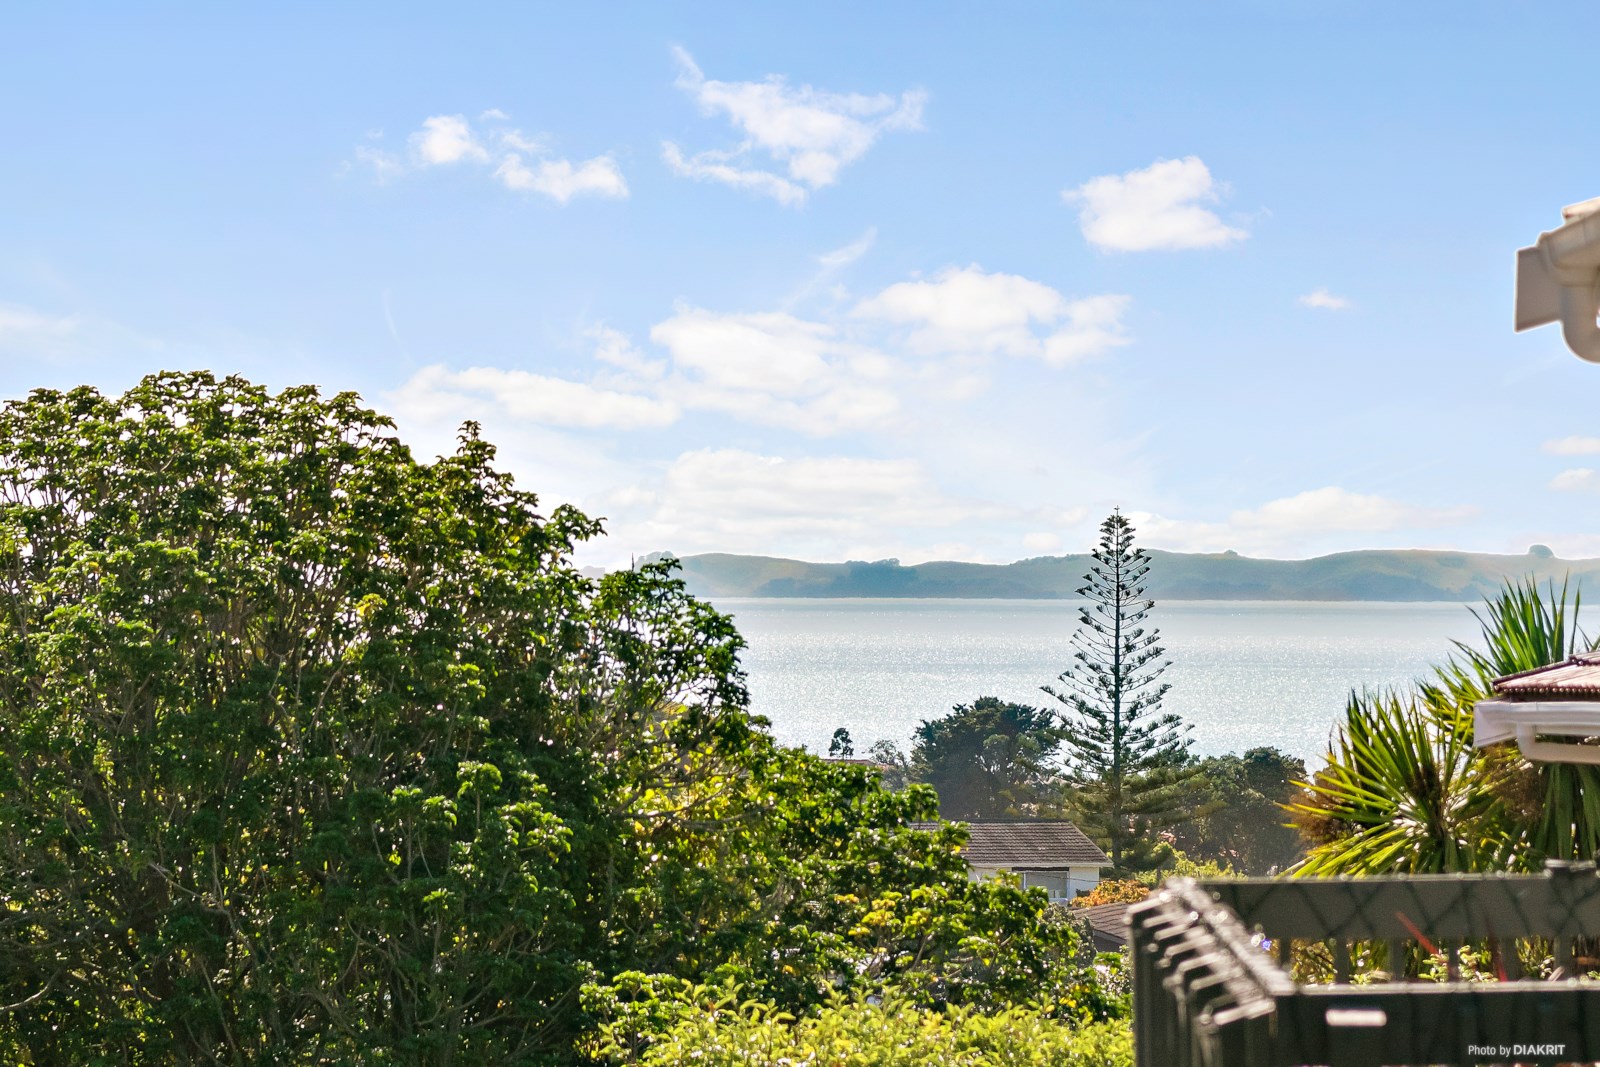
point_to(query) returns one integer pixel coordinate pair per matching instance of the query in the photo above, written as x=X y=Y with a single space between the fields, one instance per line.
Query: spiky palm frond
x=1521 y=629
x=1402 y=793
x=1405 y=790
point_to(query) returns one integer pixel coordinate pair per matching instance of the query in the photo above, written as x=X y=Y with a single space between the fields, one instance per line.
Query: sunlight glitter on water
x=1244 y=673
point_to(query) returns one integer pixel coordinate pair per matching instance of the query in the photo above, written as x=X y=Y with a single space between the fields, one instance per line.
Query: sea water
x=1243 y=673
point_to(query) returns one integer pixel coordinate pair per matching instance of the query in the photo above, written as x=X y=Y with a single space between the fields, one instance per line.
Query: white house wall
x=1078 y=879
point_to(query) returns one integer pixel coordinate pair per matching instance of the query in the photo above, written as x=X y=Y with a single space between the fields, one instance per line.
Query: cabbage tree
x=1405 y=790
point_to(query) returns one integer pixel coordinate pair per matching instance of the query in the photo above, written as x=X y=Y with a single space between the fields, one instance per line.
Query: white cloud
x=1094 y=324
x=1573 y=446
x=821 y=490
x=829 y=507
x=1321 y=298
x=1154 y=208
x=714 y=166
x=437 y=394
x=842 y=374
x=23 y=324
x=446 y=139
x=517 y=141
x=519 y=162
x=840 y=258
x=1332 y=508
x=1041 y=541
x=965 y=310
x=829 y=264
x=825 y=374
x=1296 y=524
x=837 y=375
x=614 y=347
x=771 y=367
x=846 y=405
x=811 y=134
x=386 y=166
x=1577 y=480
x=560 y=180
x=771 y=352
x=29 y=336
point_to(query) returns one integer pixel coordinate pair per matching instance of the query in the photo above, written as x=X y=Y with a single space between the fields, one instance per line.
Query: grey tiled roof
x=1109 y=923
x=1572 y=678
x=1031 y=844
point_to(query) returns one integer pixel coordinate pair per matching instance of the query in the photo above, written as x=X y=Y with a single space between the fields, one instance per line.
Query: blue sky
x=846 y=281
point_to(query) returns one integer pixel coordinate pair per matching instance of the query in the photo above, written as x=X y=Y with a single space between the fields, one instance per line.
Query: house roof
x=1574 y=678
x=1028 y=844
x=1109 y=924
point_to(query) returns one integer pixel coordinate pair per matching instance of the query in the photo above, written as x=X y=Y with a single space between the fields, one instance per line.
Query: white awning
x=1524 y=721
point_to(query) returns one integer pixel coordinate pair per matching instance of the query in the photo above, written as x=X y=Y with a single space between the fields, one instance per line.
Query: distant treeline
x=1411 y=574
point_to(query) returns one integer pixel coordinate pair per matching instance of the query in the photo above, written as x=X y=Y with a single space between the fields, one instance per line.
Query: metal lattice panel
x=1212 y=988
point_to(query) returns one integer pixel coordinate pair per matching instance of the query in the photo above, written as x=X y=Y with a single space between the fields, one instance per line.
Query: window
x=1052 y=882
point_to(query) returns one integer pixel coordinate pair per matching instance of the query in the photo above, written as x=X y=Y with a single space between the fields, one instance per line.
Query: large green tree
x=311 y=751
x=1128 y=761
x=1238 y=807
x=989 y=759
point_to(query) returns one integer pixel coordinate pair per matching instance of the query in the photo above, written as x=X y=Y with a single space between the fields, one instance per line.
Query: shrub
x=1184 y=867
x=894 y=1032
x=1127 y=891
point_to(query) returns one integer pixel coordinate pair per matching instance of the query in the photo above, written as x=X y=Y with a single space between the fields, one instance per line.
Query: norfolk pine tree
x=1126 y=758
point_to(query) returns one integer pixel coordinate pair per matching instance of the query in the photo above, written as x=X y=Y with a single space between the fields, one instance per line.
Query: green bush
x=1184 y=866
x=728 y=1032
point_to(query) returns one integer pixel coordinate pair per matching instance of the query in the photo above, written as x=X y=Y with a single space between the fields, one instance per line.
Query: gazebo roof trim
x=1574 y=676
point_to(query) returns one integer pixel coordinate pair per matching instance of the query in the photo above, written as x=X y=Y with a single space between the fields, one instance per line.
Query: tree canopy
x=988 y=759
x=314 y=752
x=1238 y=808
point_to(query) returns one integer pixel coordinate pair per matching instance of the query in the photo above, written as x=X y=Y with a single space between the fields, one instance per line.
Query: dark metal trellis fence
x=1213 y=965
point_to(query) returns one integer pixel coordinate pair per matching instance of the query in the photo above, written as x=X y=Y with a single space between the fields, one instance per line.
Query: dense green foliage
x=990 y=759
x=1184 y=867
x=1238 y=807
x=894 y=1033
x=1405 y=790
x=312 y=752
x=1128 y=762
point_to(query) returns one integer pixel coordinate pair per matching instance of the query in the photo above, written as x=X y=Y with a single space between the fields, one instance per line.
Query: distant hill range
x=1412 y=574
